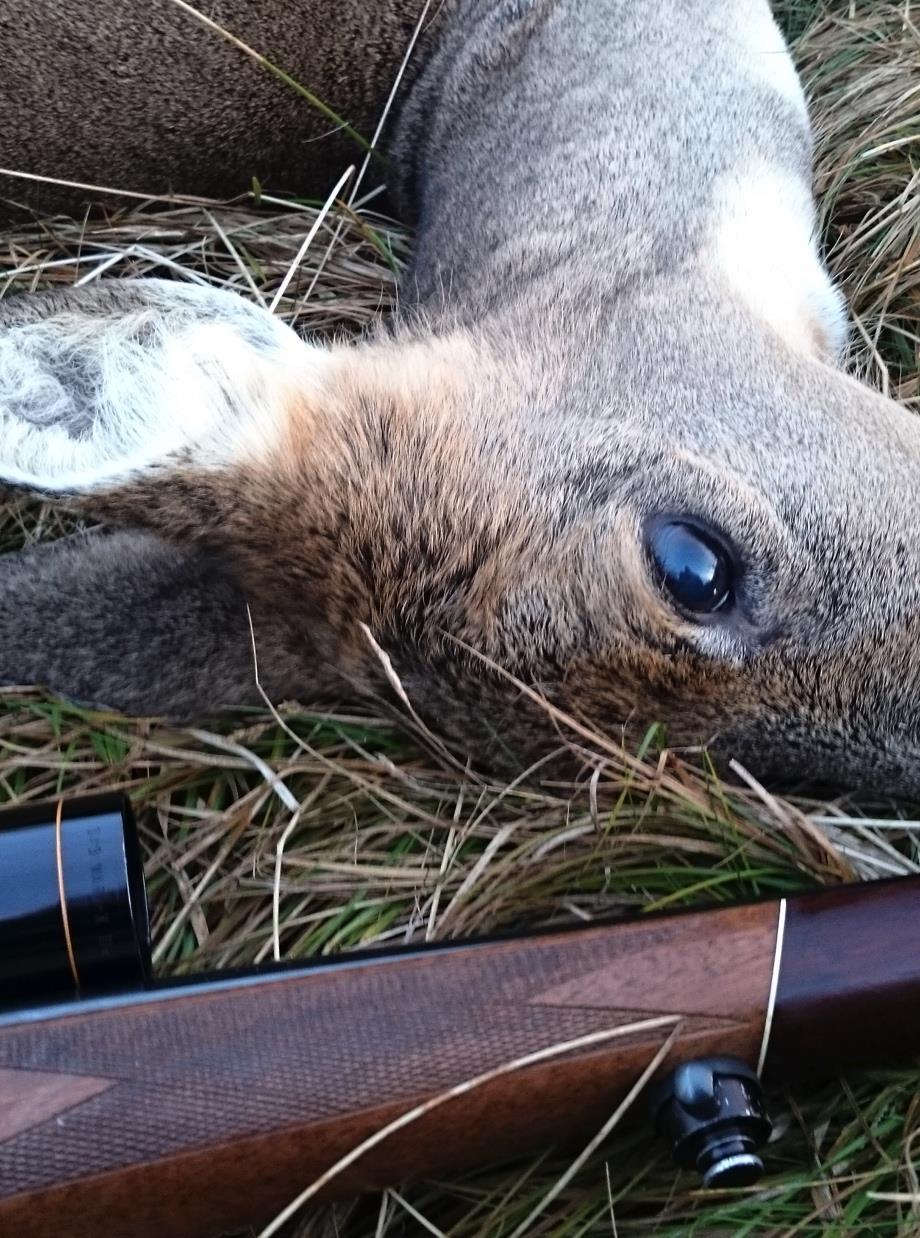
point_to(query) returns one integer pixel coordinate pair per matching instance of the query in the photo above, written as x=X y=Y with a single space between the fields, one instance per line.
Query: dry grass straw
x=390 y=844
x=862 y=62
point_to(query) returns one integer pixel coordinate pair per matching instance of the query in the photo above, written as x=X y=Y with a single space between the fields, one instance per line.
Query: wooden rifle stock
x=197 y=1107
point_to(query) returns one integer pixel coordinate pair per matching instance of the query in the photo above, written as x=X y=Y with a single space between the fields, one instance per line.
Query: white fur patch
x=90 y=399
x=765 y=52
x=763 y=244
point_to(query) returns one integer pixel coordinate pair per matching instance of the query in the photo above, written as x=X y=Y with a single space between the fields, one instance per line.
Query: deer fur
x=616 y=310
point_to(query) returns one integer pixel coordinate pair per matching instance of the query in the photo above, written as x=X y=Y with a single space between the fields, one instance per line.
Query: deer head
x=606 y=452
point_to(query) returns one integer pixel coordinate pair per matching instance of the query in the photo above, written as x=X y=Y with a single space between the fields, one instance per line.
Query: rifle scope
x=73 y=908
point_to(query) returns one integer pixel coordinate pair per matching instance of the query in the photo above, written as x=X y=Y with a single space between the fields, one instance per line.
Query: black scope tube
x=73 y=907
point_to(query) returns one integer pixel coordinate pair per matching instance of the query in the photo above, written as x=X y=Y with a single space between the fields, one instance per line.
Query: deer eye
x=693 y=566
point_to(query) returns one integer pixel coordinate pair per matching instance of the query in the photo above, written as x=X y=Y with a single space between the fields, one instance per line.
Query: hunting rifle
x=131 y=1105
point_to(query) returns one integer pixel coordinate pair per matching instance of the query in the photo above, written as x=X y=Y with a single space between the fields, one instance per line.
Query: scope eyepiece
x=73 y=907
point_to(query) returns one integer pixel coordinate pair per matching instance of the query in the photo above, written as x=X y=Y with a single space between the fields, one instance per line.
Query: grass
x=392 y=846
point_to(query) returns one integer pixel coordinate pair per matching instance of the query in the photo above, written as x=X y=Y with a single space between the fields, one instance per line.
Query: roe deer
x=605 y=443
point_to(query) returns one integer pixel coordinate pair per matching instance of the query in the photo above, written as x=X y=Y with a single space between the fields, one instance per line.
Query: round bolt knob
x=695 y=1089
x=711 y=1112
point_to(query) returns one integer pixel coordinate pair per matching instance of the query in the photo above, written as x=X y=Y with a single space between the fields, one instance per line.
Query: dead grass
x=390 y=845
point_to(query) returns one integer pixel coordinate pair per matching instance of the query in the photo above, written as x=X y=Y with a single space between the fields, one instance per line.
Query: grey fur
x=123 y=621
x=566 y=162
x=569 y=151
x=203 y=118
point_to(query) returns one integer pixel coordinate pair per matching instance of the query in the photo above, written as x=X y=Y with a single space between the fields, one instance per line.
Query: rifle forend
x=192 y=1107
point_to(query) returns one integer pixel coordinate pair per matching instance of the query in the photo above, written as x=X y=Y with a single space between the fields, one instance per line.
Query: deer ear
x=108 y=385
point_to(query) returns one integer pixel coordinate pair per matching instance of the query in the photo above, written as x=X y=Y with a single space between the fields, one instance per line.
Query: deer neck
x=562 y=156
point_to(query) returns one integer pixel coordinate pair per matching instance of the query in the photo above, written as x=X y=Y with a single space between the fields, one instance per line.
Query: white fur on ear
x=96 y=392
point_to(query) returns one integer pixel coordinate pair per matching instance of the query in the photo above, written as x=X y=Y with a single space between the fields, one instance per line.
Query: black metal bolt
x=712 y=1114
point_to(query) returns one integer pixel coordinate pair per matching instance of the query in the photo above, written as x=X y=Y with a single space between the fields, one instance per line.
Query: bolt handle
x=711 y=1112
